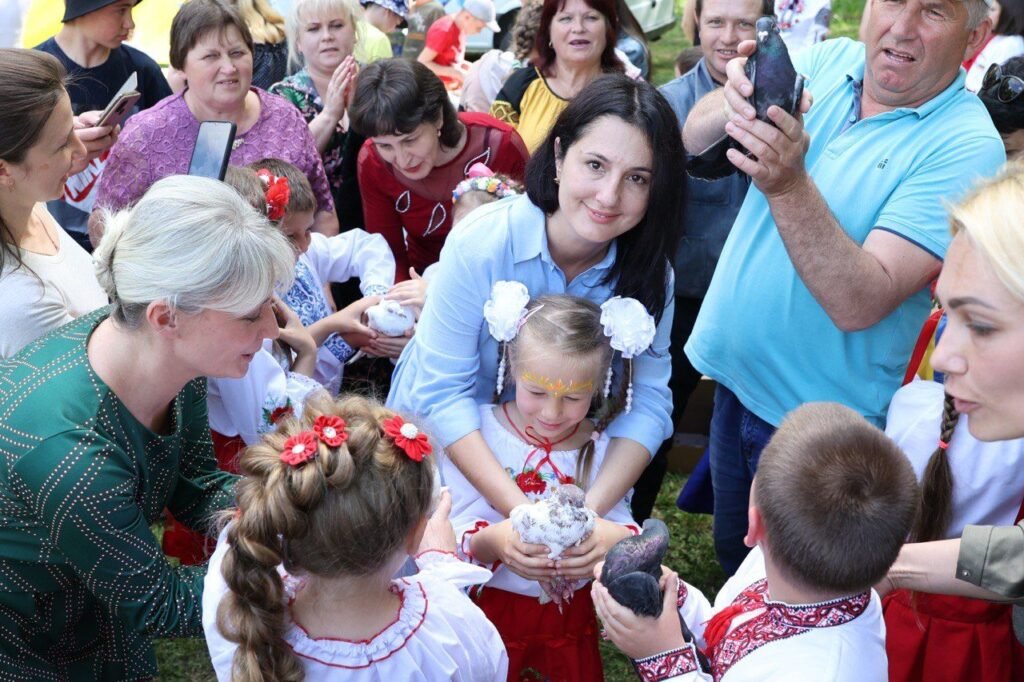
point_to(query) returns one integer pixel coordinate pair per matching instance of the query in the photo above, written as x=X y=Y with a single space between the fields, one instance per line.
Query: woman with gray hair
x=105 y=425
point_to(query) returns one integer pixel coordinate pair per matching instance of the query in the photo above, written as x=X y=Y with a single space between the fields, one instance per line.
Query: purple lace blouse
x=158 y=142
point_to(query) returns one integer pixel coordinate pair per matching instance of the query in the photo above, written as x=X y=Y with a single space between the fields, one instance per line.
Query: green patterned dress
x=84 y=585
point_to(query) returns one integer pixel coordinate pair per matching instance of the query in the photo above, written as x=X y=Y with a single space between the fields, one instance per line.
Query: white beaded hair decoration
x=505 y=312
x=627 y=324
x=630 y=329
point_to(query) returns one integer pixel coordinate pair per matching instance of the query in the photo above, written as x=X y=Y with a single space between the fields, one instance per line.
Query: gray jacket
x=710 y=206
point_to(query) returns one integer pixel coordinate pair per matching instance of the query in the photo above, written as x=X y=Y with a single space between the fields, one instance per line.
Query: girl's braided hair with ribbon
x=336 y=492
x=574 y=328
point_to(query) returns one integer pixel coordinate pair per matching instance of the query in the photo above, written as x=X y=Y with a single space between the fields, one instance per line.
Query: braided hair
x=935 y=507
x=347 y=511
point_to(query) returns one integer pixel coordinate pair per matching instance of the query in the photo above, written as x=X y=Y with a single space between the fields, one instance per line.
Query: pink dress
x=158 y=142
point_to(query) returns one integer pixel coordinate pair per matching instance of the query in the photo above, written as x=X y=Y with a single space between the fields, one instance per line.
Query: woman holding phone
x=46 y=278
x=212 y=45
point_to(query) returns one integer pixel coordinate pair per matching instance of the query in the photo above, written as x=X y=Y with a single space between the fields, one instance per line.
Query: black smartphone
x=213 y=149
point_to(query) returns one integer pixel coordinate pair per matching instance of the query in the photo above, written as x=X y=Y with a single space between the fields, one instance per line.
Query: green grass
x=845 y=23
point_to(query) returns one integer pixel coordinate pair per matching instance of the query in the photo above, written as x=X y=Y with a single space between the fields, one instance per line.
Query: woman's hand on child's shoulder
x=641 y=636
x=578 y=562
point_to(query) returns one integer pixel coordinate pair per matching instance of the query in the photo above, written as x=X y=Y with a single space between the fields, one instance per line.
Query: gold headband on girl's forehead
x=557 y=387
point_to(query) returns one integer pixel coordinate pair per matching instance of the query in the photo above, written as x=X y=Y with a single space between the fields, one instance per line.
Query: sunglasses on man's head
x=1005 y=88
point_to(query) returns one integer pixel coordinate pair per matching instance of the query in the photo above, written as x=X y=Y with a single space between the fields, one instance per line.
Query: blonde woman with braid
x=963 y=481
x=981 y=353
x=300 y=586
x=557 y=353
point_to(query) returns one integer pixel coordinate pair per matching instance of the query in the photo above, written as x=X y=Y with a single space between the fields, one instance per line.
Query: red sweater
x=423 y=208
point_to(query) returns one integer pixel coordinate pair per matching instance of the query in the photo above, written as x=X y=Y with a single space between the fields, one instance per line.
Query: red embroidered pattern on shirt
x=666 y=665
x=681 y=597
x=778 y=622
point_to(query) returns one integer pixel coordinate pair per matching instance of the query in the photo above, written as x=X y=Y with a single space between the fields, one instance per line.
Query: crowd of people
x=335 y=376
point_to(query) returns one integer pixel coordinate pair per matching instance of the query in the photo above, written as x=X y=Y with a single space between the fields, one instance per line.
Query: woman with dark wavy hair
x=574 y=44
x=419 y=150
x=599 y=220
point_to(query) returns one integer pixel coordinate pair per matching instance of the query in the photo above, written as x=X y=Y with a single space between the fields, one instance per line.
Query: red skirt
x=542 y=643
x=183 y=543
x=950 y=639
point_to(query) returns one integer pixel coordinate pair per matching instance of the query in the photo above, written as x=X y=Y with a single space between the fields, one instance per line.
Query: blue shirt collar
x=529 y=238
x=856 y=75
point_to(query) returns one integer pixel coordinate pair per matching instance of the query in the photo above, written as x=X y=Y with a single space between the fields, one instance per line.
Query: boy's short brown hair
x=301 y=197
x=245 y=181
x=837 y=497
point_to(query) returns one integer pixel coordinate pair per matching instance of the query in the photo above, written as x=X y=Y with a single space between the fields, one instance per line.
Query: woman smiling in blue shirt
x=598 y=220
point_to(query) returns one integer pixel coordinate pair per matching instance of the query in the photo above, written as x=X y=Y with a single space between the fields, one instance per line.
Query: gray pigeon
x=632 y=569
x=772 y=73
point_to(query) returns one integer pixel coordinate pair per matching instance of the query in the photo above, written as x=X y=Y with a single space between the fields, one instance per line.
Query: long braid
x=274 y=501
x=345 y=512
x=935 y=509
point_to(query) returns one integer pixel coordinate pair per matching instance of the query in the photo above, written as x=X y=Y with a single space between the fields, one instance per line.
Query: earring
x=556 y=179
x=439 y=132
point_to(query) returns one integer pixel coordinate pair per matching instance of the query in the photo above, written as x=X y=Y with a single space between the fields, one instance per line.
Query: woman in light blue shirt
x=600 y=218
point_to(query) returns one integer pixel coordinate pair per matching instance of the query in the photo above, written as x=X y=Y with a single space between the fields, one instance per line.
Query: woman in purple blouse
x=211 y=44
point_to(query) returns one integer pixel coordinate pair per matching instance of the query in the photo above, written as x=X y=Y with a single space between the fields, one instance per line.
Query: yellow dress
x=526 y=102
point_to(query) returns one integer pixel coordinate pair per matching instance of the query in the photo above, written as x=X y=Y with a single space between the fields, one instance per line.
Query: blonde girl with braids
x=963 y=481
x=557 y=355
x=976 y=550
x=300 y=587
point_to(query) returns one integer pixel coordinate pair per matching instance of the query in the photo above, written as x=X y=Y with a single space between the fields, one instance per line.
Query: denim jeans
x=737 y=438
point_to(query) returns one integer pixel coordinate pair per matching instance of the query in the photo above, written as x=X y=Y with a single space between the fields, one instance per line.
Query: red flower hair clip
x=277 y=192
x=299 y=449
x=408 y=437
x=330 y=430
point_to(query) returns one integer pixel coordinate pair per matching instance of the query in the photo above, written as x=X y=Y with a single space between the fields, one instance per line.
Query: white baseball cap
x=484 y=11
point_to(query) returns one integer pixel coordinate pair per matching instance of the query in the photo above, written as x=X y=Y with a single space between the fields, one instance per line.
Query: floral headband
x=277 y=193
x=626 y=322
x=481 y=178
x=332 y=432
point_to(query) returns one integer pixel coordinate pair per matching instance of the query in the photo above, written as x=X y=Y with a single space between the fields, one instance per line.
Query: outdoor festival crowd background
x=395 y=385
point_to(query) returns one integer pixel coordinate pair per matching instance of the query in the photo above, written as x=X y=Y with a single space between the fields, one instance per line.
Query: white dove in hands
x=559 y=522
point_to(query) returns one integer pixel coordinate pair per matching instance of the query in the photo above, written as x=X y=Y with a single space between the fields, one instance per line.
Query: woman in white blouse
x=46 y=279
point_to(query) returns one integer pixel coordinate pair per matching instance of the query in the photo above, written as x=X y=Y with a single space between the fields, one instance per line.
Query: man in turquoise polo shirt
x=822 y=284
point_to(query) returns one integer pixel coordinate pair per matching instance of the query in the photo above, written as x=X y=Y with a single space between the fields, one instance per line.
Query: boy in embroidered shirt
x=445 y=49
x=832 y=502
